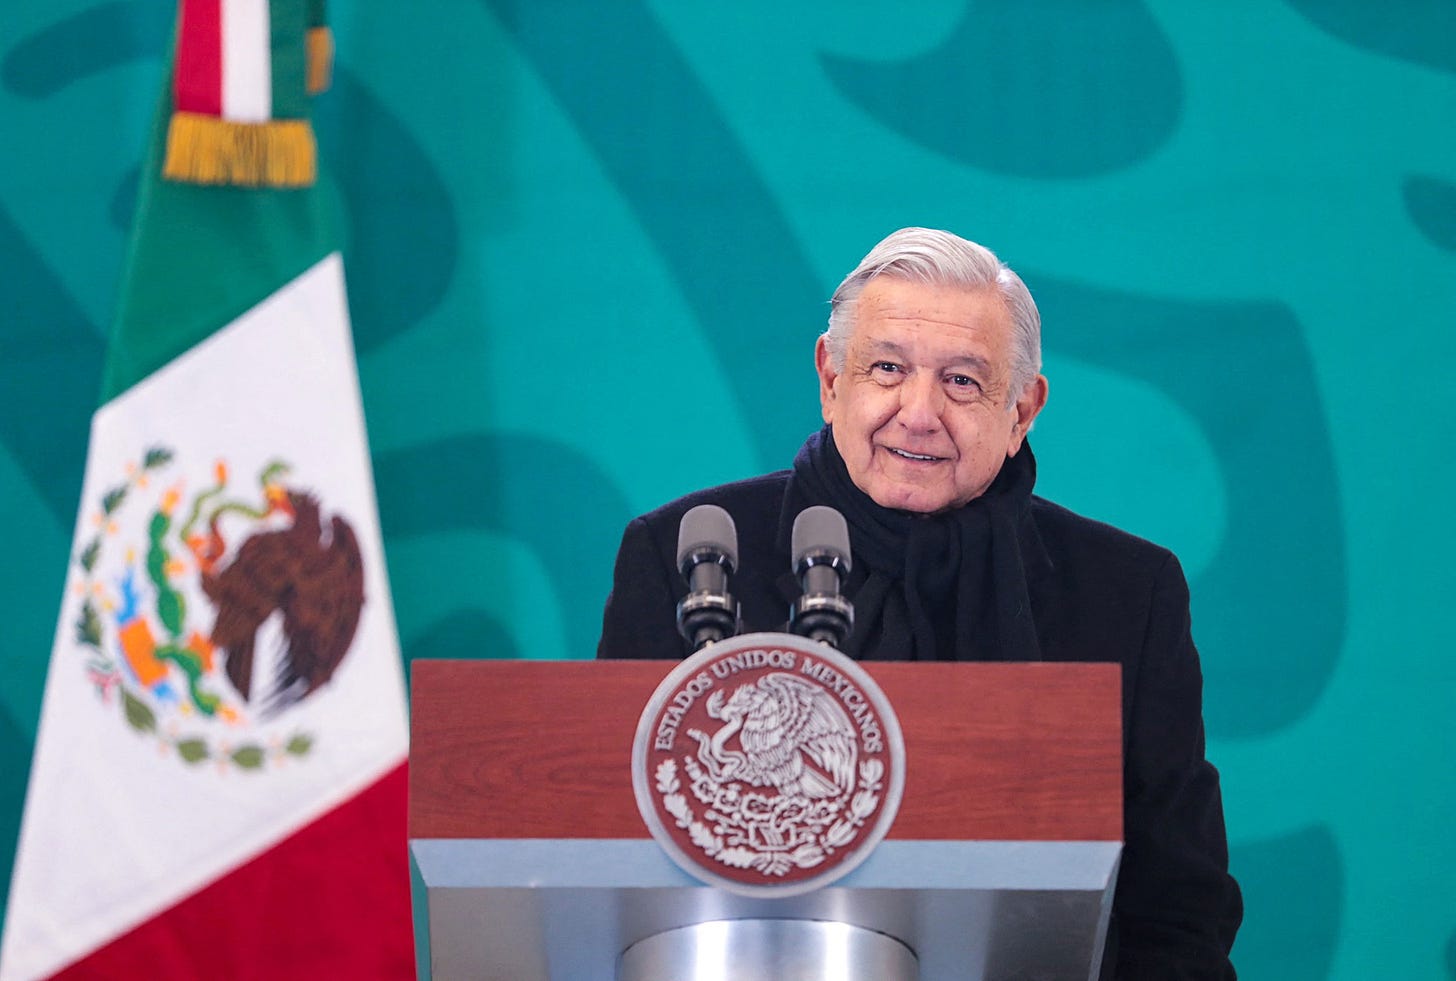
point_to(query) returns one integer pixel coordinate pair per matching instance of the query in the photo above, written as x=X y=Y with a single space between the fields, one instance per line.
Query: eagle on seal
x=793 y=735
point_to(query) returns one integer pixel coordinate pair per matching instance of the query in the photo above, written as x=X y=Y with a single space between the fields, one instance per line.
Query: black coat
x=1097 y=594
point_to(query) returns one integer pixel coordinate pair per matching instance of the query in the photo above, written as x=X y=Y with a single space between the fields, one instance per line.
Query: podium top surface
x=541 y=749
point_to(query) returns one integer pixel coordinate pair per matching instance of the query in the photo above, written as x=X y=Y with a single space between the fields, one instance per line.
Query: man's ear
x=824 y=365
x=1028 y=406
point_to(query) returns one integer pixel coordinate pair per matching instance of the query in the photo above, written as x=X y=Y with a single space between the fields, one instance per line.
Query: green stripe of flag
x=200 y=256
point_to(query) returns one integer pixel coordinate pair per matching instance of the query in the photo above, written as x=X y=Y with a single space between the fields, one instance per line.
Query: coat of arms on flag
x=207 y=613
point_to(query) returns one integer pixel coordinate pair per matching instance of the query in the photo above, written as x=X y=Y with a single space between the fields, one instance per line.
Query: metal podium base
x=769 y=950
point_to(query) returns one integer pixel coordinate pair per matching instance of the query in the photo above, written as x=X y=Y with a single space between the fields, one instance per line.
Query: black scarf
x=938 y=587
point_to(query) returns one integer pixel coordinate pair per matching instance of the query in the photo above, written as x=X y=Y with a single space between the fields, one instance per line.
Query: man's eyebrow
x=973 y=361
x=877 y=349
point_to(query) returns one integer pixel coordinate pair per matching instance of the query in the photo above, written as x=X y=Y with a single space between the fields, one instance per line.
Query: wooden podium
x=1000 y=864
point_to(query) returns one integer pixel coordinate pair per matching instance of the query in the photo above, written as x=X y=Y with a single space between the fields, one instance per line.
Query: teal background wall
x=589 y=248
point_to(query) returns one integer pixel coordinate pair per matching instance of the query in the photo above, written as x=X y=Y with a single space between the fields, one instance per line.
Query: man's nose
x=921 y=403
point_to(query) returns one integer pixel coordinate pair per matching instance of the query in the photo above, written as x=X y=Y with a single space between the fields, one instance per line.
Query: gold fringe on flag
x=203 y=149
x=320 y=46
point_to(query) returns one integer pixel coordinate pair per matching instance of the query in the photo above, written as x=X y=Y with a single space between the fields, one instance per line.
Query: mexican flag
x=218 y=788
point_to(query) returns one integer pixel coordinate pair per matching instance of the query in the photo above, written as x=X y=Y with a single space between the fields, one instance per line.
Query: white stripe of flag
x=247 y=62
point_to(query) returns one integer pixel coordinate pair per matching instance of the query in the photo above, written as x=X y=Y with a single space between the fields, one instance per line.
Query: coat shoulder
x=1071 y=537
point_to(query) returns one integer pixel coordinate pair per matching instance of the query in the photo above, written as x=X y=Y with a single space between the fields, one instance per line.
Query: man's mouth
x=906 y=454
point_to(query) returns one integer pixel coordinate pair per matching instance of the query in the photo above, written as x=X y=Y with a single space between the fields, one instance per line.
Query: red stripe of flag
x=330 y=901
x=198 y=80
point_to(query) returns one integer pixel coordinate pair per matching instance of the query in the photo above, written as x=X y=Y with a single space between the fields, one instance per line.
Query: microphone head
x=707 y=527
x=820 y=533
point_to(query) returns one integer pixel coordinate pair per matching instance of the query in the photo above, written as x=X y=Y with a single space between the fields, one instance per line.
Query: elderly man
x=929 y=379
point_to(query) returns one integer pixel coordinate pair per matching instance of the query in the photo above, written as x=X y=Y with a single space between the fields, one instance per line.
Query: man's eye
x=888 y=367
x=962 y=381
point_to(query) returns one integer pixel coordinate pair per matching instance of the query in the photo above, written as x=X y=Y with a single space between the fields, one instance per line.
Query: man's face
x=922 y=413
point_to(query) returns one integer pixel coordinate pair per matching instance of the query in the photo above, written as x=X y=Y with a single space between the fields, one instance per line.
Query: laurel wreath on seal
x=771 y=835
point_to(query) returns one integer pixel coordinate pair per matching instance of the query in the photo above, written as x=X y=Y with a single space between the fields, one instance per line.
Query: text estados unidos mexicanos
x=682 y=700
x=854 y=700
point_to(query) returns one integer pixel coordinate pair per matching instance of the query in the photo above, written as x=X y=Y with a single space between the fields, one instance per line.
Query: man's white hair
x=939 y=258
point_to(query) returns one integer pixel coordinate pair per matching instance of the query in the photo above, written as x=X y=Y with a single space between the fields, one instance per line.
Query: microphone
x=820 y=547
x=707 y=553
